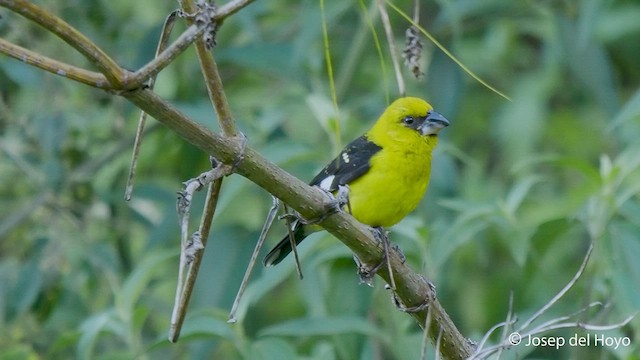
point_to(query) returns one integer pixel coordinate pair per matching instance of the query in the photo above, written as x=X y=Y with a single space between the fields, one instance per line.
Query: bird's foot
x=335 y=204
x=366 y=272
x=338 y=201
x=382 y=236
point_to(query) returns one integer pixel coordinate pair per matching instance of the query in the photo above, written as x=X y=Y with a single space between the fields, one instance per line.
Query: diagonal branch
x=411 y=287
x=114 y=73
x=212 y=78
x=231 y=8
x=53 y=66
x=111 y=75
x=218 y=99
x=165 y=57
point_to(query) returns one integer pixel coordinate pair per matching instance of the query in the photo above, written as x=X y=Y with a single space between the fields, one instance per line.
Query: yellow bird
x=387 y=169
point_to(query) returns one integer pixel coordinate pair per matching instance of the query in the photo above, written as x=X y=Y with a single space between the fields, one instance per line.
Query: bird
x=386 y=170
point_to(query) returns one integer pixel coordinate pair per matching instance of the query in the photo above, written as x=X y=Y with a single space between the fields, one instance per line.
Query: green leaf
x=137 y=282
x=589 y=62
x=629 y=111
x=196 y=326
x=19 y=352
x=272 y=349
x=626 y=249
x=518 y=193
x=90 y=330
x=324 y=326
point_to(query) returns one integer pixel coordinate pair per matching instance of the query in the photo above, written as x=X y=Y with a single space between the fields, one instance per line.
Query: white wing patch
x=345 y=157
x=325 y=184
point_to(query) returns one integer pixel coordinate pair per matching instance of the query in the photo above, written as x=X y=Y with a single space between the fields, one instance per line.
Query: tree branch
x=212 y=78
x=114 y=73
x=105 y=80
x=53 y=66
x=412 y=289
x=231 y=8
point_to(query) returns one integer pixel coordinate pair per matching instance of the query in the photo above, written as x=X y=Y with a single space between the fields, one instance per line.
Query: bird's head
x=410 y=117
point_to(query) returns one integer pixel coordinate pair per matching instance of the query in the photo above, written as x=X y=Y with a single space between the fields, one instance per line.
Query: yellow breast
x=394 y=185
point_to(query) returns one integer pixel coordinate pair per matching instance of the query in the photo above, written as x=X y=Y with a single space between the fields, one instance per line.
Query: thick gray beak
x=433 y=123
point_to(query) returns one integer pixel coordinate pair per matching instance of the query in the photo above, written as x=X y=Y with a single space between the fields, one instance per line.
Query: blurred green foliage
x=518 y=191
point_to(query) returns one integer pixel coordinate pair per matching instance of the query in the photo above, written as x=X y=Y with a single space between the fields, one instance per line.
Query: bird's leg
x=367 y=272
x=385 y=245
x=342 y=198
x=335 y=204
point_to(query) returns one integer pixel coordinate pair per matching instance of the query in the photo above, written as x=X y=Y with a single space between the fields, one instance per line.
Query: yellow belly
x=391 y=189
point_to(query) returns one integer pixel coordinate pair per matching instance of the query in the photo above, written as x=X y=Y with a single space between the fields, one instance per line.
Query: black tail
x=280 y=251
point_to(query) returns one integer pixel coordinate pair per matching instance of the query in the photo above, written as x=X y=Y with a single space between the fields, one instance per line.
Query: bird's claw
x=366 y=272
x=334 y=205
x=342 y=198
x=337 y=202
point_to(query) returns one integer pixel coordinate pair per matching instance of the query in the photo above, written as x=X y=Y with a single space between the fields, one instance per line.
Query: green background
x=518 y=188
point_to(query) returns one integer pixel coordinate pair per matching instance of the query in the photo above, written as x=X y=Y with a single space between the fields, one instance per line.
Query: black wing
x=352 y=162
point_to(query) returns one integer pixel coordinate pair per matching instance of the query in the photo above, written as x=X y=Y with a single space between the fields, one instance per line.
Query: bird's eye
x=409 y=120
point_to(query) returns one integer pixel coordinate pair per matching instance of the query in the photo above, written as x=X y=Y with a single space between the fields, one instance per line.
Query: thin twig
x=329 y=65
x=425 y=332
x=95 y=79
x=190 y=263
x=384 y=16
x=231 y=8
x=445 y=51
x=559 y=319
x=212 y=77
x=162 y=44
x=114 y=73
x=486 y=336
x=553 y=324
x=263 y=235
x=508 y=322
x=561 y=293
x=438 y=343
x=376 y=41
x=385 y=245
x=485 y=353
x=227 y=124
x=165 y=56
x=292 y=241
x=91 y=78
